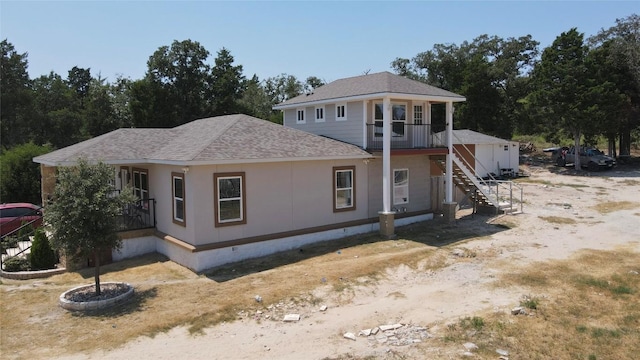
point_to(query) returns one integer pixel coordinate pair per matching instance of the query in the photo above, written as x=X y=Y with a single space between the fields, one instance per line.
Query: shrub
x=8 y=242
x=16 y=263
x=42 y=256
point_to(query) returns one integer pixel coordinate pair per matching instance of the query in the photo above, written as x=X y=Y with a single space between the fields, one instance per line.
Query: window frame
x=378 y=122
x=395 y=187
x=243 y=199
x=174 y=198
x=336 y=170
x=344 y=112
x=418 y=109
x=136 y=174
x=320 y=110
x=301 y=119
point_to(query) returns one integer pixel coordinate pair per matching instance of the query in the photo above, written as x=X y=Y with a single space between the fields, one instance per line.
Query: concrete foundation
x=449 y=211
x=387 y=226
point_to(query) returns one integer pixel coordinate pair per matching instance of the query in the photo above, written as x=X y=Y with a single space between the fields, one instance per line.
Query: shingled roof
x=223 y=139
x=373 y=85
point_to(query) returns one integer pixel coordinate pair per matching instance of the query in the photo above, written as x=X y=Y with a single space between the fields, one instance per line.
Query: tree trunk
x=612 y=145
x=96 y=269
x=576 y=149
x=625 y=142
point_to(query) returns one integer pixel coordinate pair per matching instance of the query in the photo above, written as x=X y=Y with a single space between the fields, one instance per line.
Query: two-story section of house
x=391 y=117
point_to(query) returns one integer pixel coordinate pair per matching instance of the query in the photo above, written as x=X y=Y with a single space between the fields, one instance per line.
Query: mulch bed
x=88 y=293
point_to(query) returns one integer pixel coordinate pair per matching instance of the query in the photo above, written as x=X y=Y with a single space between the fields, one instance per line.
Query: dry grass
x=611 y=206
x=587 y=307
x=168 y=295
x=557 y=219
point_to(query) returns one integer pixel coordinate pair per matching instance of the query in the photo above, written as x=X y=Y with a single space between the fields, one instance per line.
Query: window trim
x=344 y=112
x=335 y=171
x=298 y=112
x=321 y=112
x=139 y=171
x=243 y=199
x=378 y=122
x=174 y=207
x=401 y=186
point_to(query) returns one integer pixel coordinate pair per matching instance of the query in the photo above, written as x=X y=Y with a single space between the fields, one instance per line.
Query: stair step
x=24 y=244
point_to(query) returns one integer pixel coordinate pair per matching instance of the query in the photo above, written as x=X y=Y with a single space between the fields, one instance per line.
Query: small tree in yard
x=84 y=211
x=42 y=256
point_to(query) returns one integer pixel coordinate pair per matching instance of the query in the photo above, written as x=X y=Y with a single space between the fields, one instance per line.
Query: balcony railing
x=140 y=215
x=403 y=136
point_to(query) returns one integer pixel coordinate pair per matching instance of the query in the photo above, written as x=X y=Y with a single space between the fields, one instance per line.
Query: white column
x=449 y=176
x=386 y=155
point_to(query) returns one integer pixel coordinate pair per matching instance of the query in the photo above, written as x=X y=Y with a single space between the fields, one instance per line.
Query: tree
x=563 y=94
x=255 y=101
x=620 y=54
x=19 y=175
x=79 y=81
x=227 y=84
x=83 y=213
x=42 y=256
x=14 y=95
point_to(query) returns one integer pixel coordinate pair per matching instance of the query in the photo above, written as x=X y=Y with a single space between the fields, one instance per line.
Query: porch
x=406 y=136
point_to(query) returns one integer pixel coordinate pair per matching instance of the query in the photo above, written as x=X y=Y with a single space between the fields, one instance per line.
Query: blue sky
x=330 y=40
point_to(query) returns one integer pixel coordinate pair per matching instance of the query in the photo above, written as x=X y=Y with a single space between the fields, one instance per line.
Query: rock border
x=26 y=275
x=94 y=305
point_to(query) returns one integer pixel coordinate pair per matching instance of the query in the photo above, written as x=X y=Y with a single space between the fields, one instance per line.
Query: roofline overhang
x=206 y=162
x=403 y=96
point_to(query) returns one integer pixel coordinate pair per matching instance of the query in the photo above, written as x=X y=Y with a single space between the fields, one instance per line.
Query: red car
x=12 y=216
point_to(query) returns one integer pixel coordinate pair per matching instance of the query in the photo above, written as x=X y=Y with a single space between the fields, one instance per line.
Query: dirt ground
x=564 y=211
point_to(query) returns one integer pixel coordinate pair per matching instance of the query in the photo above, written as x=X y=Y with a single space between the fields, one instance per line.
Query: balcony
x=140 y=215
x=405 y=136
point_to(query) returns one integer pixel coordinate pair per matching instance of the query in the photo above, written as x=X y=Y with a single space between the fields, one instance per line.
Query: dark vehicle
x=590 y=157
x=12 y=216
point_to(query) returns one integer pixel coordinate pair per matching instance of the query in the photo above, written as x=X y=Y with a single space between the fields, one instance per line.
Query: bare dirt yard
x=559 y=280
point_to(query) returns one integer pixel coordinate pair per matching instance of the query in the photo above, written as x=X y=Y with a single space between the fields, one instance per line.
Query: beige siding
x=280 y=197
x=419 y=183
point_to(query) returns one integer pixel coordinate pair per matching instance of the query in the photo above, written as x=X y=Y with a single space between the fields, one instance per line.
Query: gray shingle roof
x=370 y=84
x=473 y=137
x=213 y=140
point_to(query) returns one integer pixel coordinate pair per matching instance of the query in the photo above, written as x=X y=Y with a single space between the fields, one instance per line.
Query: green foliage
x=530 y=302
x=42 y=256
x=19 y=175
x=8 y=242
x=14 y=96
x=227 y=84
x=475 y=322
x=16 y=263
x=83 y=213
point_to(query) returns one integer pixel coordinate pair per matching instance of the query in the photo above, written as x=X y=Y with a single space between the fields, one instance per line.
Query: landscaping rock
x=349 y=336
x=323 y=308
x=502 y=352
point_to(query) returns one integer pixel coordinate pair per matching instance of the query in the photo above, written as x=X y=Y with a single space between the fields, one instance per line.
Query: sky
x=326 y=39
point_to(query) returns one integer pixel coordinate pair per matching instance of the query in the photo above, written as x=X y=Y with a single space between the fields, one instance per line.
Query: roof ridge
x=234 y=120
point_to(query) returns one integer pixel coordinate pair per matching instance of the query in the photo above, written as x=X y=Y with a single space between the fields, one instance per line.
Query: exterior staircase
x=22 y=250
x=489 y=193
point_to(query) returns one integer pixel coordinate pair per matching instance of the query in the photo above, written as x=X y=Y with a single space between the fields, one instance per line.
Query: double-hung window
x=300 y=116
x=177 y=187
x=344 y=188
x=341 y=112
x=230 y=198
x=319 y=113
x=400 y=186
x=141 y=186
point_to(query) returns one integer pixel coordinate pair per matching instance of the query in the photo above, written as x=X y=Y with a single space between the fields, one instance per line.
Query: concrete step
x=24 y=245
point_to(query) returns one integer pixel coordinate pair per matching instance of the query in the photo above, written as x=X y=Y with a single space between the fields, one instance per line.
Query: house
x=354 y=156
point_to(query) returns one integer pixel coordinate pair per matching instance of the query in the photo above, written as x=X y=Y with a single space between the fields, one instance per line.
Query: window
x=417 y=115
x=398 y=118
x=320 y=114
x=177 y=187
x=400 y=186
x=229 y=192
x=300 y=116
x=506 y=148
x=344 y=188
x=341 y=112
x=141 y=186
x=124 y=178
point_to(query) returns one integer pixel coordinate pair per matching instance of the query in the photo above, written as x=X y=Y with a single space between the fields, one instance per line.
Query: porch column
x=449 y=208
x=386 y=215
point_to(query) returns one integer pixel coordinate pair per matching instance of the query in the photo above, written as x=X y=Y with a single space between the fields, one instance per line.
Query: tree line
x=576 y=88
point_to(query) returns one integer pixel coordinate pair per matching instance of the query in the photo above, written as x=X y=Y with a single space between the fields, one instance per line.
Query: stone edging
x=94 y=305
x=26 y=275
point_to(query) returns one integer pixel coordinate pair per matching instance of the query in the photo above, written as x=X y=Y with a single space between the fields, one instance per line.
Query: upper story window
x=400 y=186
x=319 y=113
x=398 y=119
x=341 y=112
x=177 y=188
x=344 y=188
x=230 y=199
x=300 y=116
x=418 y=117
